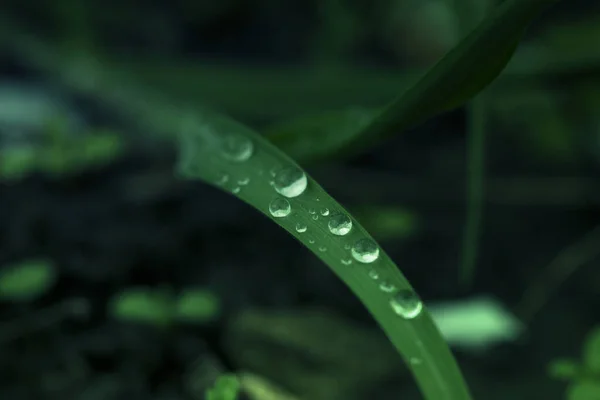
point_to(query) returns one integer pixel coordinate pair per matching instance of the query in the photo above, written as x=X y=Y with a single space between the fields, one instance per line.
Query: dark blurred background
x=99 y=242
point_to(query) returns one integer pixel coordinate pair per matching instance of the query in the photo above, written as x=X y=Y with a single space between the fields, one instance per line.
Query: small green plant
x=584 y=375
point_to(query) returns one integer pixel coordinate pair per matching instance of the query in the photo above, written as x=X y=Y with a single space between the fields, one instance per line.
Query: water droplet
x=322 y=249
x=280 y=207
x=315 y=217
x=244 y=181
x=347 y=246
x=340 y=224
x=346 y=261
x=300 y=227
x=312 y=211
x=223 y=179
x=365 y=251
x=386 y=287
x=236 y=190
x=415 y=361
x=237 y=148
x=311 y=241
x=273 y=172
x=406 y=304
x=325 y=212
x=290 y=182
x=373 y=274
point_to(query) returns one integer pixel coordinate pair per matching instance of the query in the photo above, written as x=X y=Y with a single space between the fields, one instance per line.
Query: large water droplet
x=325 y=212
x=290 y=182
x=300 y=227
x=340 y=224
x=280 y=207
x=406 y=304
x=365 y=251
x=236 y=148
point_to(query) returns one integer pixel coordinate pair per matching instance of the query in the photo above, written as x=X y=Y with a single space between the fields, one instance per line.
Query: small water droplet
x=415 y=361
x=290 y=182
x=373 y=274
x=315 y=217
x=311 y=241
x=244 y=181
x=346 y=261
x=300 y=227
x=325 y=212
x=322 y=249
x=223 y=179
x=340 y=224
x=273 y=172
x=236 y=190
x=406 y=304
x=236 y=148
x=280 y=207
x=386 y=287
x=365 y=251
x=312 y=211
x=347 y=246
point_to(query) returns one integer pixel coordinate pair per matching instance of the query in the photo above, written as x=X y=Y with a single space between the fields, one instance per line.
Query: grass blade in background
x=466 y=70
x=220 y=151
x=470 y=13
x=475 y=192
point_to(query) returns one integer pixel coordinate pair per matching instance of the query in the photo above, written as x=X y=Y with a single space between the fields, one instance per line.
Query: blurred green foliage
x=27 y=281
x=159 y=307
x=227 y=387
x=584 y=375
x=60 y=152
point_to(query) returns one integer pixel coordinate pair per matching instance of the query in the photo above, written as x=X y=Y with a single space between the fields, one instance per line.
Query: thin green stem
x=475 y=187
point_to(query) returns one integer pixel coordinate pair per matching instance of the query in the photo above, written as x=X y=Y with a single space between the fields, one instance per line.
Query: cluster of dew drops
x=292 y=182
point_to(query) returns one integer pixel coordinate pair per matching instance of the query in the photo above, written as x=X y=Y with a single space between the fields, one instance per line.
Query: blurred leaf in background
x=28 y=280
x=143 y=305
x=226 y=387
x=197 y=305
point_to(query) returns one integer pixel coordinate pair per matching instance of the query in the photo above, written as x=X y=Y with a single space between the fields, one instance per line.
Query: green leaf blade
x=460 y=75
x=417 y=339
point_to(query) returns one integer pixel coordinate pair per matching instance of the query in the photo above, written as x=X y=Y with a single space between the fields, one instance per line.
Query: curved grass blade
x=229 y=155
x=466 y=70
